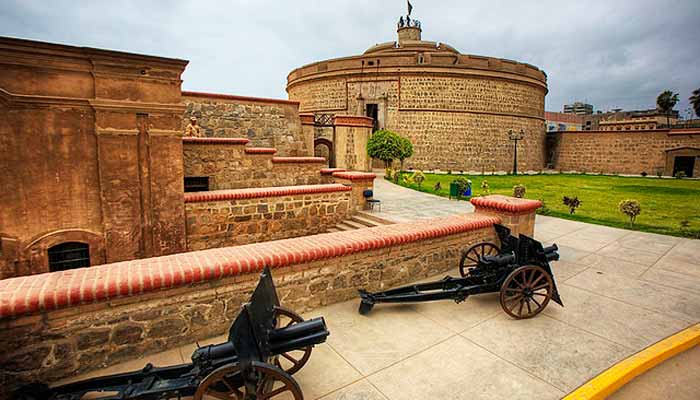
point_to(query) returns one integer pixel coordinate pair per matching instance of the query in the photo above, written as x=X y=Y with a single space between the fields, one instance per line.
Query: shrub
x=437 y=187
x=659 y=172
x=384 y=145
x=389 y=173
x=644 y=173
x=572 y=202
x=631 y=208
x=679 y=175
x=407 y=179
x=419 y=177
x=485 y=188
x=519 y=191
x=405 y=150
x=544 y=210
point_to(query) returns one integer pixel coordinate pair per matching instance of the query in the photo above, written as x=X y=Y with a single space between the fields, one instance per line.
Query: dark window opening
x=372 y=111
x=370 y=63
x=69 y=255
x=196 y=184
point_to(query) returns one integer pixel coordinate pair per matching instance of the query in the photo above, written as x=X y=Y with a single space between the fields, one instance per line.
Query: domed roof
x=411 y=46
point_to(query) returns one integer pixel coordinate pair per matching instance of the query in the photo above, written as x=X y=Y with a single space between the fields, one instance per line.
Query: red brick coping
x=260 y=150
x=214 y=140
x=354 y=175
x=55 y=290
x=298 y=159
x=499 y=202
x=330 y=171
x=239 y=98
x=256 y=193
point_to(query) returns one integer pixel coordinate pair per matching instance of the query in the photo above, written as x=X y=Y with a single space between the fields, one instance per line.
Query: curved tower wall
x=456 y=109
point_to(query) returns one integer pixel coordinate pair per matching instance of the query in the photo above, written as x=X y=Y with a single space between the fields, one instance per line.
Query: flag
x=410 y=7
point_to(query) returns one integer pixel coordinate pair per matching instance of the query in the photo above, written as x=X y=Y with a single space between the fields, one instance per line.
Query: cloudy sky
x=611 y=53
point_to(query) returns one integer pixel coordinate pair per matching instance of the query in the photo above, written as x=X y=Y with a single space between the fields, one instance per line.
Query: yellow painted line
x=619 y=374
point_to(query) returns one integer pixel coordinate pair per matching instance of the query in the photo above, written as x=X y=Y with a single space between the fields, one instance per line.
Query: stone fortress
x=455 y=108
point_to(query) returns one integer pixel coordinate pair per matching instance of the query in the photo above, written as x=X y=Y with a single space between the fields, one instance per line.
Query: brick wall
x=623 y=152
x=229 y=164
x=65 y=323
x=235 y=217
x=265 y=122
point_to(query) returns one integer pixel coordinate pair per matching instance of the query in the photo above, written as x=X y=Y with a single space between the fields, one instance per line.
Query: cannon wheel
x=470 y=258
x=271 y=383
x=291 y=361
x=526 y=291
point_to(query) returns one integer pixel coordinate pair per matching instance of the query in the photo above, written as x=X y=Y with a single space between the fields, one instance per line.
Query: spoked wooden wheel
x=526 y=292
x=291 y=361
x=226 y=383
x=470 y=258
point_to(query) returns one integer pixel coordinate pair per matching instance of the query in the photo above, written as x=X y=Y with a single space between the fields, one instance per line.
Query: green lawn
x=665 y=202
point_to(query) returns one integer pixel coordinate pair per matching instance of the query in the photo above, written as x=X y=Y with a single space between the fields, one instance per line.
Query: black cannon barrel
x=214 y=351
x=551 y=253
x=299 y=335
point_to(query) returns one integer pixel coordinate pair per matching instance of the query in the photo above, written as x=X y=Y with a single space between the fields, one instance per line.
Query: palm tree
x=695 y=101
x=665 y=103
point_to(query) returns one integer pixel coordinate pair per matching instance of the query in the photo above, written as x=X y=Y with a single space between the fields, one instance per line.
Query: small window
x=69 y=255
x=370 y=63
x=196 y=183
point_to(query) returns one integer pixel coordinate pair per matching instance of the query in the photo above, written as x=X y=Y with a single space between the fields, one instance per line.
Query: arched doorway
x=324 y=148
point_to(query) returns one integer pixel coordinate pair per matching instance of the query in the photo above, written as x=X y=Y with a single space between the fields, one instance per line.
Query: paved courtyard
x=622 y=292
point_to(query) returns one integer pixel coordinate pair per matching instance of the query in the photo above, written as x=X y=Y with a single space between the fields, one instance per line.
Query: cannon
x=519 y=270
x=267 y=343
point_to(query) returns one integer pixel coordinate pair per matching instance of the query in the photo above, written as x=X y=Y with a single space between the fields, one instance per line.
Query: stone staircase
x=359 y=220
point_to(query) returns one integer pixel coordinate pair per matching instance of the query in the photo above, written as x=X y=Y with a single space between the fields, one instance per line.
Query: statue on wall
x=193 y=130
x=401 y=22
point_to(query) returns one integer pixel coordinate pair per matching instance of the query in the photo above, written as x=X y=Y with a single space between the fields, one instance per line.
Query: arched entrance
x=324 y=148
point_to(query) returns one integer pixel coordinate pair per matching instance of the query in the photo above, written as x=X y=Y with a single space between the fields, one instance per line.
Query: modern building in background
x=560 y=122
x=618 y=120
x=578 y=108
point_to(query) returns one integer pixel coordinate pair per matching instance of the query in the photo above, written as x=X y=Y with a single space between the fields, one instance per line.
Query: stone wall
x=265 y=122
x=624 y=152
x=61 y=324
x=243 y=216
x=229 y=164
x=91 y=153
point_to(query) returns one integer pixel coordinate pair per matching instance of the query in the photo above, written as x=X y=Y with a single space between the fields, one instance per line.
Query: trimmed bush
x=631 y=208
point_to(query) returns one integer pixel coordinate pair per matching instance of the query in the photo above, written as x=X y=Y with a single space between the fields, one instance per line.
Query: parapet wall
x=625 y=152
x=229 y=164
x=61 y=324
x=235 y=217
x=265 y=122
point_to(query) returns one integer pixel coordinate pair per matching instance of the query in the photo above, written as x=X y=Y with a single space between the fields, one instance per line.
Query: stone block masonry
x=234 y=217
x=265 y=122
x=229 y=164
x=56 y=325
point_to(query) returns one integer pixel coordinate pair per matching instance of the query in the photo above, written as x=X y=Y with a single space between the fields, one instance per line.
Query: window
x=69 y=255
x=196 y=184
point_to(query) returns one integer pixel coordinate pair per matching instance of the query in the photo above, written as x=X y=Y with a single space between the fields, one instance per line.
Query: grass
x=665 y=202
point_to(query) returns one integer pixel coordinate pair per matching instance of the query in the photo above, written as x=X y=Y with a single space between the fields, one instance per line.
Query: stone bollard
x=359 y=181
x=517 y=214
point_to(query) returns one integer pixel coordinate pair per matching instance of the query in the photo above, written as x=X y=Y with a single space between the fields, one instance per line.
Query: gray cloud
x=612 y=54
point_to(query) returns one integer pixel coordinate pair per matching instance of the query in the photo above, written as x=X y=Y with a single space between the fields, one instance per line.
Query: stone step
x=371 y=217
x=331 y=230
x=353 y=224
x=343 y=227
x=364 y=221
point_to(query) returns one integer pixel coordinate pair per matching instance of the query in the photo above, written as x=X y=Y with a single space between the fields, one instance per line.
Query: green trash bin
x=454 y=190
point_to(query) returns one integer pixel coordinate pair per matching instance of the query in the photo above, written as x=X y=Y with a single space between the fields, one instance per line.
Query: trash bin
x=468 y=192
x=454 y=190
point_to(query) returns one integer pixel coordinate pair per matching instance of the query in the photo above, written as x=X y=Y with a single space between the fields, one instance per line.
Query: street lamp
x=515 y=137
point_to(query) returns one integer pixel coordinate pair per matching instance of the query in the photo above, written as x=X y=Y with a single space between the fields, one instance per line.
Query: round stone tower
x=456 y=108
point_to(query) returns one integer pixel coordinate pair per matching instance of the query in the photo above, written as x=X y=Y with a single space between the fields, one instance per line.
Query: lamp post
x=515 y=137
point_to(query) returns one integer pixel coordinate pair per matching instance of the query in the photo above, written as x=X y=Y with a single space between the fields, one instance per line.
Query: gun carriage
x=267 y=343
x=518 y=269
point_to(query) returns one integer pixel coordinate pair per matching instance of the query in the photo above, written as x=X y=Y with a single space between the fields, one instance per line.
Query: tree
x=384 y=145
x=631 y=208
x=405 y=150
x=695 y=101
x=665 y=103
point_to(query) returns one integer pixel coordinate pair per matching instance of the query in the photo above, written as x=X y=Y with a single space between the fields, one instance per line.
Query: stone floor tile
x=624 y=324
x=651 y=243
x=571 y=254
x=573 y=241
x=361 y=390
x=564 y=270
x=544 y=235
x=557 y=225
x=325 y=372
x=462 y=316
x=690 y=283
x=614 y=266
x=681 y=263
x=390 y=333
x=457 y=369
x=635 y=255
x=602 y=233
x=556 y=352
x=669 y=301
